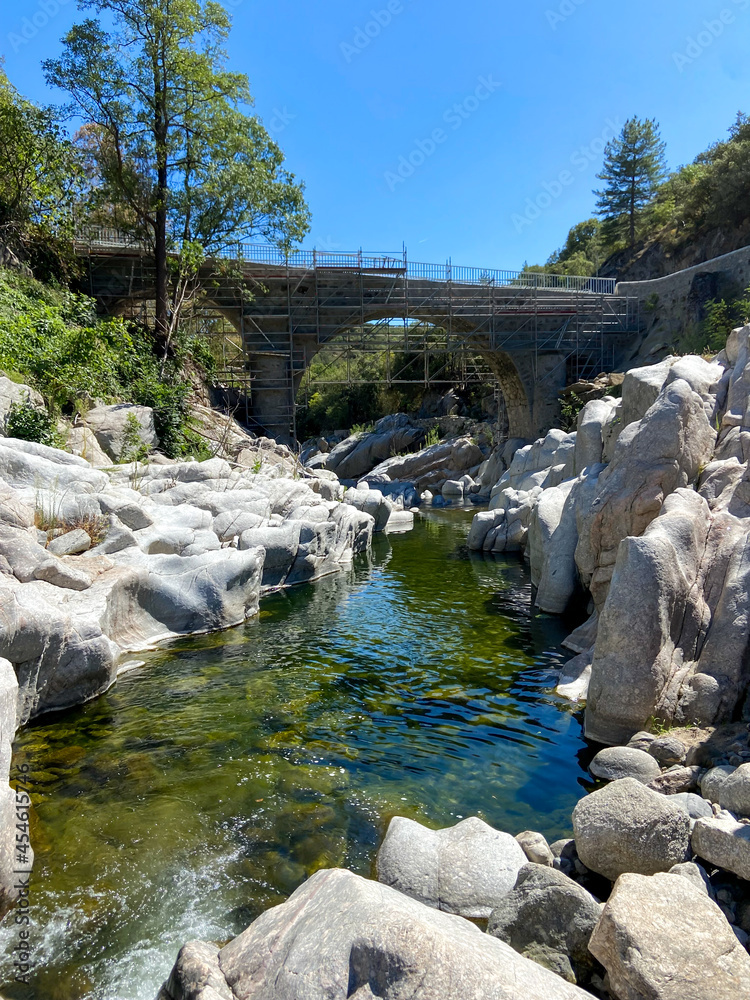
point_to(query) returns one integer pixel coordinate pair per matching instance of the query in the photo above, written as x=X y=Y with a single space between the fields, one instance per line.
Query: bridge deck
x=97 y=239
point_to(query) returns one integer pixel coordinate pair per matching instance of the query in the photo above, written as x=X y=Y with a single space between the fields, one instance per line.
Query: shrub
x=570 y=406
x=433 y=437
x=25 y=422
x=53 y=340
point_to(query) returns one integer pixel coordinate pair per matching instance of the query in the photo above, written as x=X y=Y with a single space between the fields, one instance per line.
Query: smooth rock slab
x=549 y=918
x=340 y=936
x=661 y=938
x=724 y=842
x=614 y=763
x=464 y=869
x=626 y=827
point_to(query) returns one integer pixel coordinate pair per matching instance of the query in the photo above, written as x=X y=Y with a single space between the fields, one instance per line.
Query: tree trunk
x=161 y=137
x=160 y=259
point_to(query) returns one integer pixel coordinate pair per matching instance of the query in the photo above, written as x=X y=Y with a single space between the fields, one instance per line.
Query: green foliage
x=195 y=445
x=570 y=406
x=433 y=437
x=350 y=388
x=709 y=196
x=336 y=403
x=133 y=449
x=52 y=340
x=722 y=316
x=634 y=166
x=198 y=351
x=26 y=423
x=172 y=154
x=38 y=185
x=583 y=253
x=651 y=302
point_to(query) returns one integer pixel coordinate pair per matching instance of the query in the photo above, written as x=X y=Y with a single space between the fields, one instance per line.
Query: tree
x=38 y=176
x=582 y=253
x=634 y=166
x=180 y=162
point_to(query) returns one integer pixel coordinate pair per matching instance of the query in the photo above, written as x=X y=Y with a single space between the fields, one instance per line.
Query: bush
x=722 y=316
x=571 y=405
x=53 y=340
x=25 y=422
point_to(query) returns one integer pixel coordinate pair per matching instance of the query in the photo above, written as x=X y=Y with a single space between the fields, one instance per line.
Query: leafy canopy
x=174 y=156
x=38 y=180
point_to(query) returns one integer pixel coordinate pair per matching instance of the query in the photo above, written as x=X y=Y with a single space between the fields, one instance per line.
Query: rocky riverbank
x=98 y=560
x=624 y=910
x=642 y=513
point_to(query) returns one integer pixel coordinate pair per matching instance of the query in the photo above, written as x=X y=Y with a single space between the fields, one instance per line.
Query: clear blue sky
x=350 y=100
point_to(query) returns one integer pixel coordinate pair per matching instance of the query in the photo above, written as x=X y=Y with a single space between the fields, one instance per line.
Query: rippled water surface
x=210 y=782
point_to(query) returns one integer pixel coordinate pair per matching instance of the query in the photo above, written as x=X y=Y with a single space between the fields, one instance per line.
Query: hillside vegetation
x=704 y=203
x=51 y=339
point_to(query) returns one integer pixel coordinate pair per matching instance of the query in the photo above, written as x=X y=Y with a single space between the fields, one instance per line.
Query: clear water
x=210 y=782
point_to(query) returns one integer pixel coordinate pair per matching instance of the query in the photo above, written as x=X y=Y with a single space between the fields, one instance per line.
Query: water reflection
x=207 y=785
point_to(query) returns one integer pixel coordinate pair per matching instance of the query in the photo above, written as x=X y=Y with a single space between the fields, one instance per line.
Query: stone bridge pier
x=530 y=385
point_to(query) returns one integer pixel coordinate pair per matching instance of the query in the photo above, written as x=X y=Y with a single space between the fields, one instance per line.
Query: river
x=212 y=779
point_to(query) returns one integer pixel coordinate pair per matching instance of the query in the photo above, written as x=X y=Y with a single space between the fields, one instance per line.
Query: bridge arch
x=527 y=327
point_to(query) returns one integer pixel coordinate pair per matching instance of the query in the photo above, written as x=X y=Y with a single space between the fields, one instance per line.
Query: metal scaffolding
x=268 y=314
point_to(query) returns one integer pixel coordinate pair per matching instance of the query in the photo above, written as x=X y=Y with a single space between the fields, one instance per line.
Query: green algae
x=210 y=782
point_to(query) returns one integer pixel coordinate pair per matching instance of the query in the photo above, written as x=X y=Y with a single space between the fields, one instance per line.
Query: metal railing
x=375 y=263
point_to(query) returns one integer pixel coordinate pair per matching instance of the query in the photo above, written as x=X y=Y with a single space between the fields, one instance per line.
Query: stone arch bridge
x=534 y=332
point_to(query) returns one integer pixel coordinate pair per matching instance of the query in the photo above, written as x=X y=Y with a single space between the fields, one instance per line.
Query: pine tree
x=634 y=166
